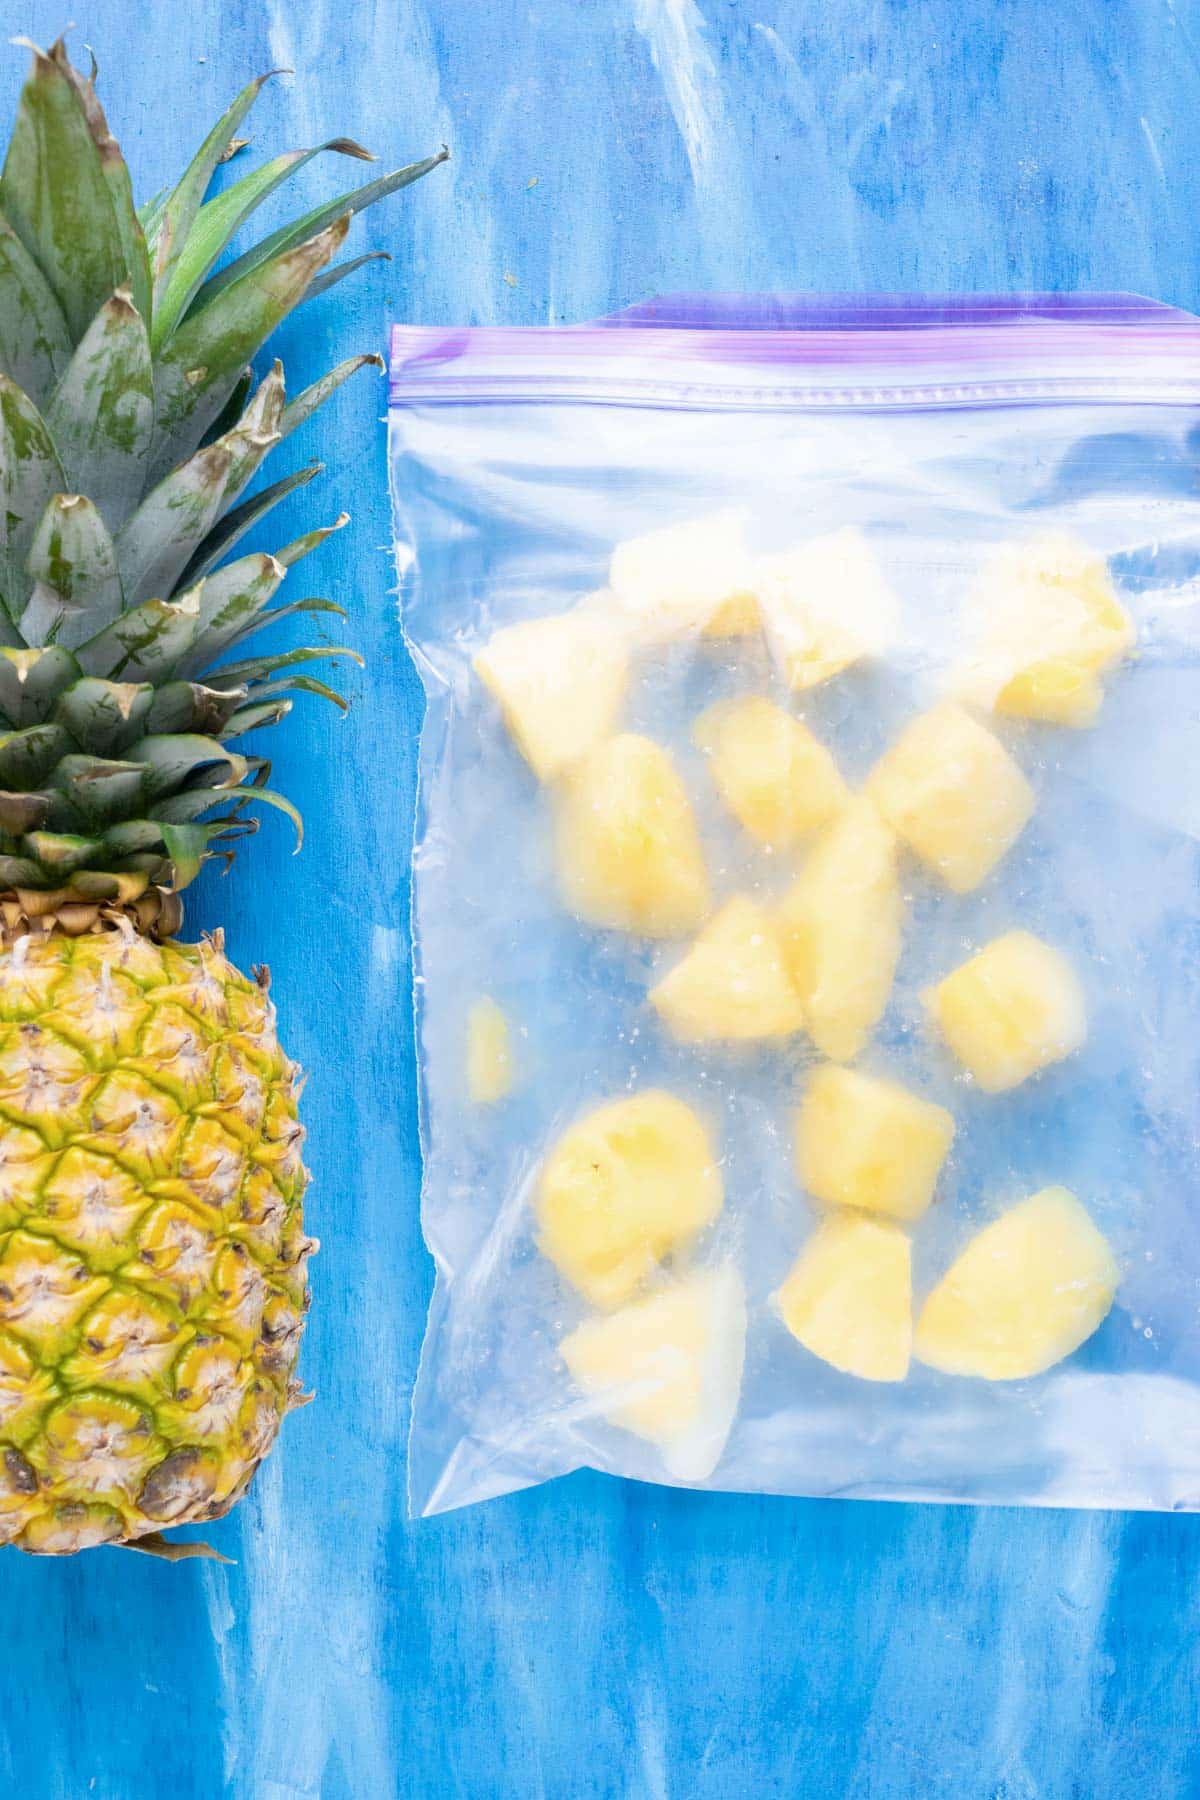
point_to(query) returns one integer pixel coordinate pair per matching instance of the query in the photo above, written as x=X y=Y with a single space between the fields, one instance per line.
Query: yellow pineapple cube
x=559 y=683
x=776 y=778
x=954 y=794
x=1027 y=1291
x=681 y=579
x=732 y=983
x=669 y=1368
x=632 y=1182
x=825 y=605
x=840 y=926
x=490 y=1068
x=1049 y=624
x=1011 y=1010
x=739 y=616
x=849 y=1297
x=869 y=1143
x=628 y=852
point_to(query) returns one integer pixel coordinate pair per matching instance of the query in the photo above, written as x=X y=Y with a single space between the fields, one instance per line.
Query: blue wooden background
x=593 y=1639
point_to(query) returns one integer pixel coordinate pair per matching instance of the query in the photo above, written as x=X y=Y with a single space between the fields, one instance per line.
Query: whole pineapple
x=152 y=1249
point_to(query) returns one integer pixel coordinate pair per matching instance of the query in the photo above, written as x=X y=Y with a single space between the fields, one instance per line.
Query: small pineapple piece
x=1027 y=1291
x=848 y=1298
x=1052 y=624
x=672 y=1367
x=732 y=983
x=686 y=578
x=864 y=1142
x=775 y=777
x=490 y=1071
x=624 y=1187
x=954 y=794
x=840 y=927
x=629 y=856
x=739 y=616
x=1055 y=692
x=825 y=604
x=1011 y=1010
x=559 y=683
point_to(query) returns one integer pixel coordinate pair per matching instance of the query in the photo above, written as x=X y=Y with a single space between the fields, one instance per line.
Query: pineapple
x=490 y=1069
x=826 y=604
x=670 y=1367
x=683 y=579
x=776 y=778
x=626 y=1186
x=629 y=855
x=840 y=926
x=1050 y=625
x=732 y=983
x=848 y=1298
x=1010 y=1011
x=954 y=794
x=559 y=683
x=152 y=1248
x=1026 y=1291
x=869 y=1143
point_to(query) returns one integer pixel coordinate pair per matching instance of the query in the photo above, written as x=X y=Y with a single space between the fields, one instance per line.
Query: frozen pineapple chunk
x=840 y=929
x=1027 y=1291
x=685 y=578
x=849 y=1297
x=775 y=777
x=624 y=1187
x=628 y=853
x=954 y=794
x=1049 y=624
x=1011 y=1010
x=825 y=604
x=669 y=1368
x=732 y=983
x=489 y=1054
x=559 y=683
x=869 y=1143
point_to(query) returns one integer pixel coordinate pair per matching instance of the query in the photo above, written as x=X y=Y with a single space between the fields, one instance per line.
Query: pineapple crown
x=130 y=428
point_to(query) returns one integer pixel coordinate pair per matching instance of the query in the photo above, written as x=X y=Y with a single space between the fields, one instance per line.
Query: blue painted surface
x=591 y=1639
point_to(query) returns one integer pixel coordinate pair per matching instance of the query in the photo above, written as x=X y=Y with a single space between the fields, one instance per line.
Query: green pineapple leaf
x=73 y=565
x=98 y=789
x=301 y=409
x=145 y=643
x=234 y=526
x=156 y=544
x=219 y=219
x=55 y=195
x=30 y=473
x=202 y=363
x=321 y=284
x=35 y=345
x=169 y=224
x=290 y=236
x=101 y=415
x=104 y=716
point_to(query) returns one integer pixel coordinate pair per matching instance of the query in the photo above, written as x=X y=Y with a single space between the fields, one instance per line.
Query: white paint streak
x=1152 y=146
x=674 y=31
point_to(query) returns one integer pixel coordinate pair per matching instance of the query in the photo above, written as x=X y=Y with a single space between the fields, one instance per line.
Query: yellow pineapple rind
x=152 y=1248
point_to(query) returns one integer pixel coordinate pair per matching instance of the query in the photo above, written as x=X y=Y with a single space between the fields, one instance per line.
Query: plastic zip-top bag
x=805 y=897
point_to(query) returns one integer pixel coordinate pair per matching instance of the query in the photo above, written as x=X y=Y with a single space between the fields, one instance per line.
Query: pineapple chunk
x=1027 y=1291
x=954 y=794
x=629 y=856
x=825 y=605
x=489 y=1054
x=740 y=616
x=1011 y=1010
x=559 y=683
x=869 y=1143
x=624 y=1187
x=685 y=578
x=840 y=929
x=775 y=777
x=1051 y=623
x=849 y=1297
x=670 y=1367
x=732 y=983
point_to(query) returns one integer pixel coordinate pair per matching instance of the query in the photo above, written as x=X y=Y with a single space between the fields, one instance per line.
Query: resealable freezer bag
x=805 y=897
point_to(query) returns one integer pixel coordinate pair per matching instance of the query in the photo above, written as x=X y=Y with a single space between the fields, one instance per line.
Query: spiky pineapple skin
x=152 y=1247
